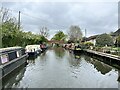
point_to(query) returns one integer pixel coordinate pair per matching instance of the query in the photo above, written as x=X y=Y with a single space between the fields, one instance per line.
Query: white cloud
x=96 y=17
x=60 y=1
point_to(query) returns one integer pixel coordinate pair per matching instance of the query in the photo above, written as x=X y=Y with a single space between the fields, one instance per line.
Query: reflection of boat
x=33 y=50
x=10 y=59
x=13 y=79
x=31 y=60
x=77 y=56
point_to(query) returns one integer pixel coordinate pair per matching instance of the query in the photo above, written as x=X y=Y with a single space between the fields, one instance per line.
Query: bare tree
x=75 y=33
x=4 y=16
x=44 y=31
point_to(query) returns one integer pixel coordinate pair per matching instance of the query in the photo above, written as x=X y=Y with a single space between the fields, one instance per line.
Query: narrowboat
x=10 y=59
x=43 y=47
x=33 y=50
x=77 y=49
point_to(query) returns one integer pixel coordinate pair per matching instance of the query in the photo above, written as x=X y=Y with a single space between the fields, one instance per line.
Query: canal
x=58 y=68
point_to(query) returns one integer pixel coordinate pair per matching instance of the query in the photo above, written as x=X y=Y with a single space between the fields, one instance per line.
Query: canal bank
x=104 y=57
x=58 y=68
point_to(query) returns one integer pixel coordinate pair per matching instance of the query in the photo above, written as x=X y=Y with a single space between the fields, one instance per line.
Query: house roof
x=92 y=37
x=116 y=33
x=89 y=38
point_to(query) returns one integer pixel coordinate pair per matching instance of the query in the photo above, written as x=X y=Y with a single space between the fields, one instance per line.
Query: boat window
x=19 y=53
x=23 y=51
x=12 y=55
x=4 y=58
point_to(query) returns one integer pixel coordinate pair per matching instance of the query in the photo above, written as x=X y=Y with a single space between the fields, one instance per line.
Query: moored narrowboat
x=10 y=59
x=77 y=49
x=43 y=47
x=33 y=50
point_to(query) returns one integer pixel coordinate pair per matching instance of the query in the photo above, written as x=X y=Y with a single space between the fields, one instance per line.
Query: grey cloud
x=95 y=17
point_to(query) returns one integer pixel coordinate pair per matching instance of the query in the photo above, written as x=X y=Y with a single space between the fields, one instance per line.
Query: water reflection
x=100 y=66
x=13 y=79
x=60 y=52
x=31 y=60
x=119 y=76
x=77 y=56
x=74 y=60
x=43 y=56
x=71 y=71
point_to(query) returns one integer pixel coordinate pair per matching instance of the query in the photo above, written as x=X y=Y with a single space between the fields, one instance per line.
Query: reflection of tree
x=74 y=60
x=103 y=68
x=60 y=52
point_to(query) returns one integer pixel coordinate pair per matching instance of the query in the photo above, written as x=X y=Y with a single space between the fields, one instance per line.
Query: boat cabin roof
x=2 y=50
x=32 y=46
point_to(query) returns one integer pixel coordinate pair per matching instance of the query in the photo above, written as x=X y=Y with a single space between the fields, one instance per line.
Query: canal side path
x=103 y=54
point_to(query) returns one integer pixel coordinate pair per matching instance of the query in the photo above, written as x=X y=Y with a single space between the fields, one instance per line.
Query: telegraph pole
x=19 y=21
x=85 y=34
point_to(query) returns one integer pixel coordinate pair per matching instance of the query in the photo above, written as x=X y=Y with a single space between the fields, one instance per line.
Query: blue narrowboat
x=10 y=59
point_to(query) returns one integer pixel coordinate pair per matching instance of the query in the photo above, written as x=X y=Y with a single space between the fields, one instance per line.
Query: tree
x=59 y=36
x=4 y=14
x=43 y=39
x=118 y=41
x=11 y=35
x=103 y=40
x=44 y=31
x=75 y=33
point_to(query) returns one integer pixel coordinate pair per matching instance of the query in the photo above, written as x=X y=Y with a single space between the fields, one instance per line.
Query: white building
x=92 y=39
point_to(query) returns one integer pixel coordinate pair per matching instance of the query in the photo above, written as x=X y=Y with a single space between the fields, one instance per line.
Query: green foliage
x=118 y=41
x=59 y=36
x=103 y=40
x=70 y=41
x=11 y=36
x=88 y=44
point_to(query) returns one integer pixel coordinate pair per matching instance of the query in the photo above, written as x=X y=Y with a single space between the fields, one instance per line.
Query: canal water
x=58 y=68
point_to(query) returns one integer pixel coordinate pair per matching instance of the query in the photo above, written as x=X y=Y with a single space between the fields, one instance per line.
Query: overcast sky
x=95 y=17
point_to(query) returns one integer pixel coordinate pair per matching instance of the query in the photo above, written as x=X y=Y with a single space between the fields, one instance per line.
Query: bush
x=88 y=44
x=103 y=40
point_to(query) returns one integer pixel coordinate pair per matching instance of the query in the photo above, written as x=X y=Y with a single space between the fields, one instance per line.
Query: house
x=92 y=39
x=115 y=35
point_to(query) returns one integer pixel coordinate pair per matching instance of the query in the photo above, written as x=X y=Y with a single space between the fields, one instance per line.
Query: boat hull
x=32 y=54
x=77 y=51
x=12 y=65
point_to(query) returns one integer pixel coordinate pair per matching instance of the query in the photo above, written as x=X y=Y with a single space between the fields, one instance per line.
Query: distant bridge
x=56 y=42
